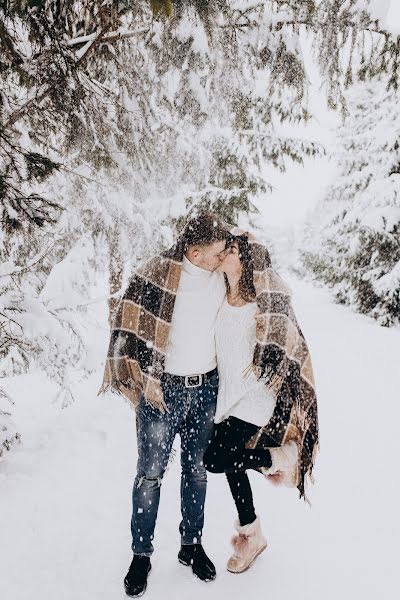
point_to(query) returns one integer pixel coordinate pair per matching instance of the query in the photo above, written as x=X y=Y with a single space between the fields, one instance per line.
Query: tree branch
x=112 y=36
x=91 y=42
x=34 y=261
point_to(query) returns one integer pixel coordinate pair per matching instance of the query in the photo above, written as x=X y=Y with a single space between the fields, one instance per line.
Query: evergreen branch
x=112 y=36
x=92 y=41
x=86 y=178
x=9 y=320
x=9 y=48
x=88 y=48
x=32 y=263
x=116 y=294
x=19 y=113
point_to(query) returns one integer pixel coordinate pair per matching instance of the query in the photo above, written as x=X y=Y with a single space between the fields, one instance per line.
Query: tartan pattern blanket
x=139 y=335
x=282 y=359
x=139 y=338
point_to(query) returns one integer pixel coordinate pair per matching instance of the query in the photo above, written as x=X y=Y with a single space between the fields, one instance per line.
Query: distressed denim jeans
x=190 y=414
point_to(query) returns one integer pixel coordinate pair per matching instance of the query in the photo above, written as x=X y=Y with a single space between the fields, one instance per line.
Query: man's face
x=210 y=257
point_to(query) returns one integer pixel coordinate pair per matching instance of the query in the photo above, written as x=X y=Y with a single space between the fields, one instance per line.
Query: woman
x=244 y=405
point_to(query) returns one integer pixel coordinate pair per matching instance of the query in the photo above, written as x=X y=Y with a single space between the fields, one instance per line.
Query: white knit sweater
x=239 y=395
x=191 y=344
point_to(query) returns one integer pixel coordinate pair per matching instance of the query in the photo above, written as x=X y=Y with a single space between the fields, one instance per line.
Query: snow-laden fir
x=353 y=239
x=116 y=123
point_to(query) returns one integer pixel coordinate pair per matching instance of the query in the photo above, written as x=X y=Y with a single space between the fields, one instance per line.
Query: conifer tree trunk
x=115 y=274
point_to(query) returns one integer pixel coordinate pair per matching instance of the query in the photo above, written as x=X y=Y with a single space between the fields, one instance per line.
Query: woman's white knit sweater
x=240 y=394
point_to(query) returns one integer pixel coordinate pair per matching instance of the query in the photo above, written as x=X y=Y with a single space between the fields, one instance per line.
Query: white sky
x=388 y=11
x=297 y=191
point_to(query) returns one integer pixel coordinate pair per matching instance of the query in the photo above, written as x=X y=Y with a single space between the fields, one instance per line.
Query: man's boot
x=193 y=555
x=136 y=579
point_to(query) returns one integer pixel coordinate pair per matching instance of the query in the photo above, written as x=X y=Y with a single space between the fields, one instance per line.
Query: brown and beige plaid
x=282 y=359
x=139 y=336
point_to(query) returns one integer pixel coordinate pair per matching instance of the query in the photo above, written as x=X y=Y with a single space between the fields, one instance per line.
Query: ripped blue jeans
x=190 y=414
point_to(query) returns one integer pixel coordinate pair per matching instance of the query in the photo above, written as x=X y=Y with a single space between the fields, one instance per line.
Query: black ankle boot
x=193 y=555
x=136 y=579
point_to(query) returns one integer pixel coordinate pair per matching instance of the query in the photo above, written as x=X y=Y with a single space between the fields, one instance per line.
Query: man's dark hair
x=204 y=229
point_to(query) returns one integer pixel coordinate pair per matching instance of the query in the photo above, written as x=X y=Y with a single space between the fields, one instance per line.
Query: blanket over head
x=139 y=337
x=282 y=359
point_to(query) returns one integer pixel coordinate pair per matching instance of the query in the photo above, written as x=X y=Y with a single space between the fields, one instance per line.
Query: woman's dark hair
x=246 y=282
x=204 y=229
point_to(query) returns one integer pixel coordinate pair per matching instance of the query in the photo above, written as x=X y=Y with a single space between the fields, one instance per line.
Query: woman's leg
x=227 y=452
x=239 y=485
x=215 y=455
x=225 y=442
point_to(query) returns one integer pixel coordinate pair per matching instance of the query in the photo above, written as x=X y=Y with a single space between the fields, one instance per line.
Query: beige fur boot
x=284 y=468
x=248 y=544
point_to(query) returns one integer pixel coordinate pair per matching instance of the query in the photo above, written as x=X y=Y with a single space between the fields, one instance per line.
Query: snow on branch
x=8 y=269
x=112 y=36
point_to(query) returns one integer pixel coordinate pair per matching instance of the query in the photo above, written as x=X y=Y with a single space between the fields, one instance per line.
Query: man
x=162 y=357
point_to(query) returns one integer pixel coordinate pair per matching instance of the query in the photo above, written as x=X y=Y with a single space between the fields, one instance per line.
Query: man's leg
x=155 y=435
x=195 y=435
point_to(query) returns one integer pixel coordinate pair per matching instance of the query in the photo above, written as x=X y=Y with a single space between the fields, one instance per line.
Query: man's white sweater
x=191 y=343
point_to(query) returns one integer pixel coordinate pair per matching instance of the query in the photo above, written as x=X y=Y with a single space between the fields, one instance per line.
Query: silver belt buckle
x=190 y=384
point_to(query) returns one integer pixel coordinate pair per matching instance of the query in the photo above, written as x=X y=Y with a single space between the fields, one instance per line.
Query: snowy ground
x=65 y=492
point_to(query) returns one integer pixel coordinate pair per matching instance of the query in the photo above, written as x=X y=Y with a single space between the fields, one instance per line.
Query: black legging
x=226 y=453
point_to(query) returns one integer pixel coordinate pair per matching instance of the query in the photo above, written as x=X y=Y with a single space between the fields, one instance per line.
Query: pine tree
x=60 y=62
x=8 y=434
x=354 y=240
x=116 y=118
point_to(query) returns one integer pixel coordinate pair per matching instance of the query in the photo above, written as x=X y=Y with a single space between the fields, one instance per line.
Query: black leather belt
x=189 y=381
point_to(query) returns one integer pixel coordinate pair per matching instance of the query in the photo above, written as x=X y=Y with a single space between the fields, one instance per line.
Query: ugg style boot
x=284 y=468
x=247 y=545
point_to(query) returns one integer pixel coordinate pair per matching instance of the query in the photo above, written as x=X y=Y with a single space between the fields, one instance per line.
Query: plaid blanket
x=282 y=359
x=139 y=337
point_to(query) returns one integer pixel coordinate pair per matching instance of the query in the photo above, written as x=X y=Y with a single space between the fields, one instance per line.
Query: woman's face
x=231 y=264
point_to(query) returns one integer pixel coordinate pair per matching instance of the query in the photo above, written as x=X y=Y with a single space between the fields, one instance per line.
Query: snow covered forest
x=120 y=120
